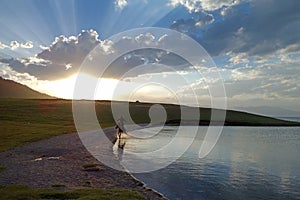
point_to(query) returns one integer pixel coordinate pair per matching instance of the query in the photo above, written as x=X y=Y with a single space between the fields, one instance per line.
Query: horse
x=119 y=131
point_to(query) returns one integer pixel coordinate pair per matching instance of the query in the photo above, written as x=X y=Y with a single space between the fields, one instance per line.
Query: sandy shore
x=63 y=161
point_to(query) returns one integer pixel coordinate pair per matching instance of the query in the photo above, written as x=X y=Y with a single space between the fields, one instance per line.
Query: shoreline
x=110 y=133
x=63 y=160
x=148 y=188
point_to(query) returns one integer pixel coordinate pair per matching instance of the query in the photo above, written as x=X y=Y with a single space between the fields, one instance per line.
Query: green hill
x=139 y=113
x=12 y=89
x=27 y=120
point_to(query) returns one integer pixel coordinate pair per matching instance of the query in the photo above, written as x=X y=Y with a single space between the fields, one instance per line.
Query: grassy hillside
x=11 y=89
x=15 y=192
x=27 y=120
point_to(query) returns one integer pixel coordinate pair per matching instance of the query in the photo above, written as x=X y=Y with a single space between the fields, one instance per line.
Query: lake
x=246 y=163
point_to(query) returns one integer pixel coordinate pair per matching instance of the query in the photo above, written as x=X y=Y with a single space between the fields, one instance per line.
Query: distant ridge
x=270 y=111
x=12 y=89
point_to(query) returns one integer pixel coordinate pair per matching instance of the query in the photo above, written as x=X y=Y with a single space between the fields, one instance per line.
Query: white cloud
x=147 y=38
x=245 y=73
x=264 y=85
x=14 y=44
x=207 y=5
x=225 y=11
x=3 y=46
x=217 y=4
x=191 y=5
x=73 y=49
x=27 y=45
x=34 y=60
x=268 y=80
x=23 y=78
x=107 y=46
x=239 y=58
x=120 y=4
x=44 y=47
x=285 y=54
x=291 y=48
x=68 y=66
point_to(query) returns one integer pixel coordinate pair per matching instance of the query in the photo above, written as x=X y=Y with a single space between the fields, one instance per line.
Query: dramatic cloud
x=51 y=63
x=193 y=25
x=72 y=49
x=65 y=55
x=264 y=78
x=256 y=28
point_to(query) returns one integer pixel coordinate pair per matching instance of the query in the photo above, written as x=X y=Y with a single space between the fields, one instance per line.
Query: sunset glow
x=64 y=88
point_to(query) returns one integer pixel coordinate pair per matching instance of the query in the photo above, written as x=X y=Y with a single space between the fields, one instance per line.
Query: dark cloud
x=49 y=71
x=71 y=50
x=192 y=26
x=257 y=27
x=54 y=62
x=66 y=54
x=152 y=59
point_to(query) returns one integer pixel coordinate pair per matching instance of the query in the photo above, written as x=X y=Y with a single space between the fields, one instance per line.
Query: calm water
x=246 y=163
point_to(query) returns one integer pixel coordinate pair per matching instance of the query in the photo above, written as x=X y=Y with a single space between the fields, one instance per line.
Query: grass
x=20 y=192
x=89 y=165
x=87 y=184
x=2 y=168
x=28 y=120
x=24 y=121
x=58 y=185
x=92 y=167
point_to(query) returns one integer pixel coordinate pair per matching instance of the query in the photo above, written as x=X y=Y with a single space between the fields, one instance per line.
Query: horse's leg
x=119 y=134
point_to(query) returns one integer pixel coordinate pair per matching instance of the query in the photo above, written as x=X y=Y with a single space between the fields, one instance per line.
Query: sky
x=255 y=45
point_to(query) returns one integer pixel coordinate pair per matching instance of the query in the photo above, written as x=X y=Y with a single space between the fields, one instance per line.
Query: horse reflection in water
x=118 y=148
x=119 y=142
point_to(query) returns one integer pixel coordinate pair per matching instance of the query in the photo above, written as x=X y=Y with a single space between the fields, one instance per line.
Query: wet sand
x=64 y=161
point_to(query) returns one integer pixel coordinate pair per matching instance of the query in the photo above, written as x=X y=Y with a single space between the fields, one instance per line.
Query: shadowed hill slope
x=12 y=89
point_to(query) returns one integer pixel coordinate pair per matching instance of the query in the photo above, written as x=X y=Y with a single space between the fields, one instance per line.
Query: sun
x=64 y=88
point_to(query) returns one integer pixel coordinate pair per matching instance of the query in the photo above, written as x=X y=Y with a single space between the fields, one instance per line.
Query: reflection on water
x=246 y=163
x=118 y=148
